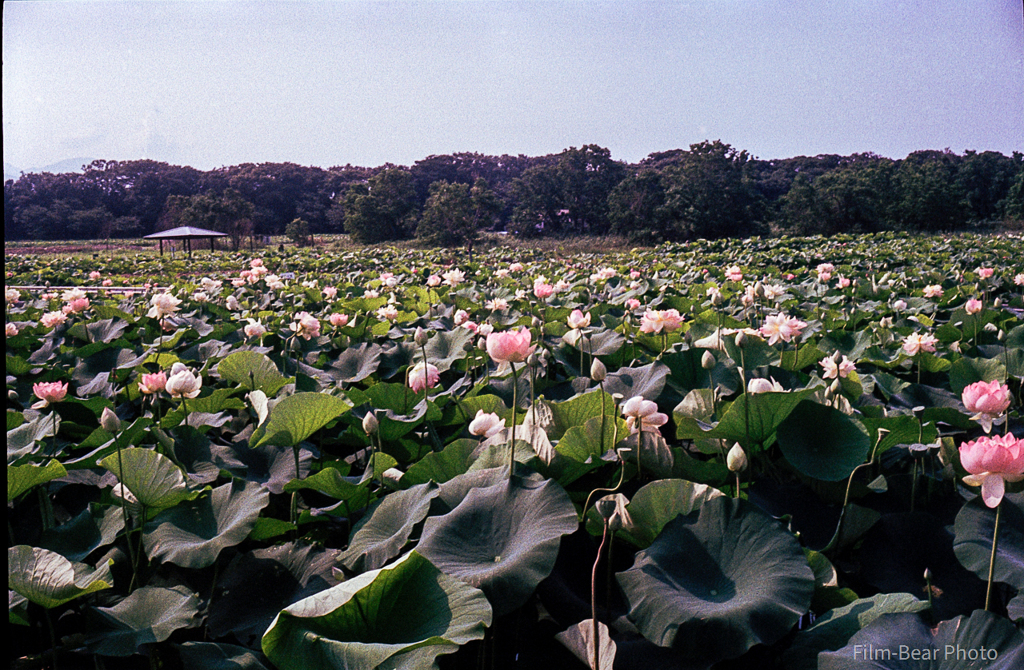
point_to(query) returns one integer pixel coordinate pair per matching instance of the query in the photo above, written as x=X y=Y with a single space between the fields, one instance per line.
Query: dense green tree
x=853 y=198
x=985 y=179
x=227 y=212
x=930 y=198
x=636 y=207
x=384 y=208
x=710 y=194
x=455 y=213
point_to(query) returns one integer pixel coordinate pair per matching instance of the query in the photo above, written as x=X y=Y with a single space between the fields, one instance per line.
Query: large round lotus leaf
x=152 y=478
x=953 y=645
x=193 y=534
x=973 y=542
x=718 y=581
x=48 y=579
x=387 y=526
x=401 y=616
x=822 y=442
x=658 y=502
x=502 y=538
x=150 y=614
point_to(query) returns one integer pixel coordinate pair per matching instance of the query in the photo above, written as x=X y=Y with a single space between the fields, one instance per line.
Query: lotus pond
x=772 y=452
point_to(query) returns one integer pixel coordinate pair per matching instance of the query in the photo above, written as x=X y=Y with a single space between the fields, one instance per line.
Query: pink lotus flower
x=306 y=326
x=733 y=273
x=789 y=276
x=1018 y=279
x=387 y=313
x=486 y=424
x=254 y=329
x=515 y=267
x=836 y=369
x=933 y=291
x=78 y=305
x=183 y=383
x=973 y=306
x=107 y=282
x=10 y=330
x=423 y=376
x=632 y=304
x=454 y=277
x=433 y=280
x=916 y=342
x=256 y=263
x=578 y=319
x=782 y=327
x=339 y=320
x=49 y=393
x=843 y=282
x=991 y=462
x=153 y=382
x=656 y=321
x=985 y=273
x=987 y=401
x=94 y=275
x=634 y=274
x=461 y=317
x=643 y=415
x=543 y=291
x=53 y=319
x=510 y=345
x=330 y=292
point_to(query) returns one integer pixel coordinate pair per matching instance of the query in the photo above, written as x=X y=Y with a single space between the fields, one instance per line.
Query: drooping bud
x=109 y=421
x=421 y=337
x=707 y=361
x=370 y=423
x=741 y=339
x=598 y=371
x=736 y=459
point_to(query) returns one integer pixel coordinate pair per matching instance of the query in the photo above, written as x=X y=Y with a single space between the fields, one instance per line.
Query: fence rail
x=95 y=289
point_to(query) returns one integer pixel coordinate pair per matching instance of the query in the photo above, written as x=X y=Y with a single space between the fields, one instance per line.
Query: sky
x=212 y=83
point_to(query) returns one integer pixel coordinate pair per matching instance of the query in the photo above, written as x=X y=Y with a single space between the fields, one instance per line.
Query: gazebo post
x=161 y=247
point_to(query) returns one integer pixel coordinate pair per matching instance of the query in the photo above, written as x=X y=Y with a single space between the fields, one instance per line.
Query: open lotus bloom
x=49 y=393
x=511 y=346
x=991 y=462
x=988 y=401
x=183 y=383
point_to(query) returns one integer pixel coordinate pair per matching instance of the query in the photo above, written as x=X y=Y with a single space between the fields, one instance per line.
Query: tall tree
x=384 y=208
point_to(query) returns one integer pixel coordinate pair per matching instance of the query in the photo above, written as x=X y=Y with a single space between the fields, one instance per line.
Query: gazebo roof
x=184 y=233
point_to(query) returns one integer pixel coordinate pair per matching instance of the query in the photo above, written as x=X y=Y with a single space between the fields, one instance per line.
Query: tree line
x=710 y=190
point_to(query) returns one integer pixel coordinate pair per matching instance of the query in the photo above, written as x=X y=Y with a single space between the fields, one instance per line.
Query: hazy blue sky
x=212 y=83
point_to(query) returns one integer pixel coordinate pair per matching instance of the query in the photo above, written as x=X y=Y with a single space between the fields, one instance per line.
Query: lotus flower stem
x=124 y=509
x=294 y=511
x=992 y=556
x=593 y=598
x=515 y=406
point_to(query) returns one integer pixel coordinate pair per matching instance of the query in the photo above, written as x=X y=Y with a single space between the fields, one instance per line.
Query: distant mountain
x=66 y=165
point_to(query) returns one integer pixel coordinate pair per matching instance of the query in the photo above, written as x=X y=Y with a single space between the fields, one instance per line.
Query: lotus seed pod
x=707 y=361
x=109 y=421
x=370 y=423
x=741 y=339
x=736 y=459
x=598 y=372
x=421 y=337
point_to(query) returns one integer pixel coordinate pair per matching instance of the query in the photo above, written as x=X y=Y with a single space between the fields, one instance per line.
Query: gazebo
x=186 y=233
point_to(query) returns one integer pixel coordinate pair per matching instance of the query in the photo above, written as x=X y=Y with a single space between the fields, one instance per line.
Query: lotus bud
x=370 y=423
x=716 y=298
x=1001 y=335
x=997 y=303
x=736 y=459
x=741 y=340
x=835 y=386
x=481 y=343
x=109 y=421
x=598 y=372
x=392 y=478
x=421 y=337
x=707 y=361
x=759 y=290
x=606 y=508
x=533 y=360
x=536 y=323
x=12 y=395
x=837 y=357
x=927 y=574
x=688 y=338
x=991 y=328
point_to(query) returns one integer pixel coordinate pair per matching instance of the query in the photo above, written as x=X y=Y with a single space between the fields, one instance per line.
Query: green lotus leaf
x=973 y=539
x=297 y=417
x=252 y=371
x=718 y=581
x=440 y=466
x=330 y=481
x=576 y=411
x=579 y=639
x=220 y=656
x=501 y=538
x=822 y=442
x=400 y=616
x=150 y=614
x=657 y=503
x=754 y=417
x=834 y=628
x=193 y=534
x=48 y=579
x=286 y=574
x=356 y=363
x=21 y=478
x=952 y=645
x=647 y=381
x=387 y=526
x=152 y=478
x=95 y=526
x=21 y=441
x=446 y=347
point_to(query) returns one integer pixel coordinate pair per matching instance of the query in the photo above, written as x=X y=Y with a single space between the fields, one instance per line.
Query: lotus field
x=787 y=452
